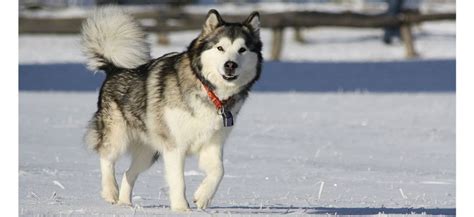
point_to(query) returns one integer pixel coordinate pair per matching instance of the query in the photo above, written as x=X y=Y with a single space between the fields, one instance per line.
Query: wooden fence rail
x=169 y=21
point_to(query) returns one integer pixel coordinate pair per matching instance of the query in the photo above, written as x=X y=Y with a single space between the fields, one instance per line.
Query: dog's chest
x=193 y=127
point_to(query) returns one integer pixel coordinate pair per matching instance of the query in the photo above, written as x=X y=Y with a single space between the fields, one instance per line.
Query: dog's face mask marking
x=229 y=62
x=231 y=53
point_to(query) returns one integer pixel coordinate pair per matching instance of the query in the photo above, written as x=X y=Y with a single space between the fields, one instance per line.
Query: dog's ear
x=213 y=20
x=253 y=21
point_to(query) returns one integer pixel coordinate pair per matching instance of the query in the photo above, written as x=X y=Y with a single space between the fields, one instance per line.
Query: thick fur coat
x=155 y=108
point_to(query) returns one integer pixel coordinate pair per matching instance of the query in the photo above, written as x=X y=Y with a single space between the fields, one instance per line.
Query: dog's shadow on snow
x=363 y=211
x=330 y=210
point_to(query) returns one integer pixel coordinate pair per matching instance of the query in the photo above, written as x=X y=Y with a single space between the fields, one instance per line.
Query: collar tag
x=227 y=118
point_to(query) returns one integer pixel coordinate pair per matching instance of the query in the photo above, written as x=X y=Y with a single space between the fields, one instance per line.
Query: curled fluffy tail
x=111 y=37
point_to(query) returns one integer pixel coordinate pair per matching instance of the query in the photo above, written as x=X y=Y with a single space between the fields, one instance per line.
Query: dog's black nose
x=230 y=65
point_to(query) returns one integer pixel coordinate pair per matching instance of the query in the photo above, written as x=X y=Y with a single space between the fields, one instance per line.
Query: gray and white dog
x=173 y=106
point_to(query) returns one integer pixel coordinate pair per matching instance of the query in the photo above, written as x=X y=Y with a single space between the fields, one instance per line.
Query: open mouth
x=229 y=78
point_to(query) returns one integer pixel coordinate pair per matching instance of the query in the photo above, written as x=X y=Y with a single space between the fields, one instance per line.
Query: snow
x=302 y=144
x=432 y=41
x=290 y=153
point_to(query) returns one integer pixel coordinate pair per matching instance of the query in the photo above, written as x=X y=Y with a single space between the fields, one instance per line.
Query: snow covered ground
x=290 y=153
x=296 y=153
x=432 y=41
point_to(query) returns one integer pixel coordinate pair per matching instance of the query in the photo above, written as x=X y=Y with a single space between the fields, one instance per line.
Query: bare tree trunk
x=163 y=38
x=277 y=43
x=407 y=37
x=298 y=35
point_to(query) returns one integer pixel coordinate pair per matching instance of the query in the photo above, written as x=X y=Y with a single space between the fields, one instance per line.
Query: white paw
x=124 y=199
x=125 y=203
x=180 y=205
x=180 y=208
x=202 y=198
x=110 y=195
x=202 y=204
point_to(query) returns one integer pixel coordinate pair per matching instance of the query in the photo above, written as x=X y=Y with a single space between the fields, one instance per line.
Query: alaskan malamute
x=176 y=105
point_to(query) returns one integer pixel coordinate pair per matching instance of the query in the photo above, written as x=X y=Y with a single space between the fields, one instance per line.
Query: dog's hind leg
x=114 y=143
x=109 y=184
x=98 y=138
x=142 y=159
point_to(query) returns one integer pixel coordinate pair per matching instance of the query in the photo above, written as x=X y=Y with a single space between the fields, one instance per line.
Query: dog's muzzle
x=229 y=70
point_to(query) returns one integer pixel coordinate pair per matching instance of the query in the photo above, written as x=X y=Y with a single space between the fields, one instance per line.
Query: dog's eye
x=241 y=50
x=220 y=48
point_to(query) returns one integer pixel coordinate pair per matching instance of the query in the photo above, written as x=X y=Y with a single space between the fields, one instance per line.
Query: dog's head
x=228 y=55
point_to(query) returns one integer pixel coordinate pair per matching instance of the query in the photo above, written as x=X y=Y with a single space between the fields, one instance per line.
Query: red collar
x=212 y=96
x=227 y=116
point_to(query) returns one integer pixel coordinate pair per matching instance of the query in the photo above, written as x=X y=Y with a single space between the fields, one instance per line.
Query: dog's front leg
x=174 y=169
x=210 y=160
